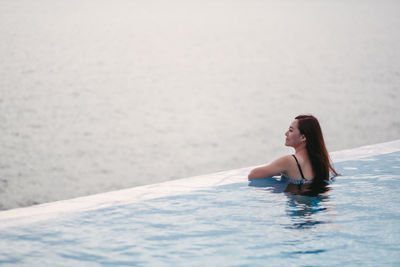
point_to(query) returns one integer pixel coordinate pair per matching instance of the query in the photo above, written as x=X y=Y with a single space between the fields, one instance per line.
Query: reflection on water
x=303 y=206
x=303 y=210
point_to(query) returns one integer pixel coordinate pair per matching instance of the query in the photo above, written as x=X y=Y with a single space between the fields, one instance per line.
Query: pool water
x=355 y=223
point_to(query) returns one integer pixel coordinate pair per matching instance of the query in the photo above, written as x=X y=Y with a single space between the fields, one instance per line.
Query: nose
x=286 y=133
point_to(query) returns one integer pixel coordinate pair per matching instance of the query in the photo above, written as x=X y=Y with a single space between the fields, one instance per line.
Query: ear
x=303 y=138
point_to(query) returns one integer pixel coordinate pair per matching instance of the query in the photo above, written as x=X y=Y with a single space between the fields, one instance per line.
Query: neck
x=301 y=149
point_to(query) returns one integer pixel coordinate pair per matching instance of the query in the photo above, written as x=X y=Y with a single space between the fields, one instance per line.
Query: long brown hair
x=316 y=150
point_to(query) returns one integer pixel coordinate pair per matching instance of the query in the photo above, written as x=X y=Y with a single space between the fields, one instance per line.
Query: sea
x=100 y=95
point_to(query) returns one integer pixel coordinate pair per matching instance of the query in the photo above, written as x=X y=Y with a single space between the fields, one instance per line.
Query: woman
x=308 y=169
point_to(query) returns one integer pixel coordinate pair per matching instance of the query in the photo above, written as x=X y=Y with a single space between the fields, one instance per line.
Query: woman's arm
x=276 y=167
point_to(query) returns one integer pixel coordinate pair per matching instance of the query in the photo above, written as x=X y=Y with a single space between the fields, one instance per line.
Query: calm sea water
x=103 y=95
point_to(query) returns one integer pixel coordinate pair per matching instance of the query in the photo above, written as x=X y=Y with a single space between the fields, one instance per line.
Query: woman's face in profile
x=293 y=135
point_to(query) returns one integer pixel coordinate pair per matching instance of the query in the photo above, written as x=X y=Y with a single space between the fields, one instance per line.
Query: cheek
x=293 y=136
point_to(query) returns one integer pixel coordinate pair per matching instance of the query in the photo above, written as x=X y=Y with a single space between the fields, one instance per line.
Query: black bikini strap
x=298 y=165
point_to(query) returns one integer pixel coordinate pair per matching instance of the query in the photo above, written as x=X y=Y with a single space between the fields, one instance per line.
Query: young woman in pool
x=309 y=168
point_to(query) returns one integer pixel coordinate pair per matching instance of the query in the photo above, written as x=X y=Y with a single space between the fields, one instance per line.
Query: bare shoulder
x=278 y=166
x=283 y=164
x=284 y=160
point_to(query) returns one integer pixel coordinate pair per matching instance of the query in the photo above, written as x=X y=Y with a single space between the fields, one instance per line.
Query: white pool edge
x=15 y=217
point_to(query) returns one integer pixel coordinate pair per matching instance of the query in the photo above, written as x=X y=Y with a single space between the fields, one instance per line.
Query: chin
x=289 y=144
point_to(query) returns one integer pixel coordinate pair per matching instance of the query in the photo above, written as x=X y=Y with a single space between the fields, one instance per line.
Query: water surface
x=229 y=225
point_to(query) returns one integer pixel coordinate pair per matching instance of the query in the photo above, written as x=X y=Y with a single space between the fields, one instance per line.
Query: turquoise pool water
x=355 y=223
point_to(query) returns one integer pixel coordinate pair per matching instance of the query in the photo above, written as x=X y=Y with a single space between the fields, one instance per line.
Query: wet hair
x=318 y=154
